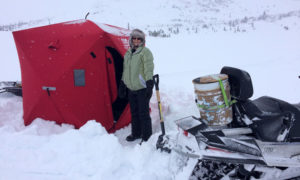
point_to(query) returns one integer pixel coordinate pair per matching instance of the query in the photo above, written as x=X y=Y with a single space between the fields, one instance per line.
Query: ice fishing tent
x=71 y=72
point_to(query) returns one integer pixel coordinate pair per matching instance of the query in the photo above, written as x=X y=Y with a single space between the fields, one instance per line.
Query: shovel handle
x=156 y=82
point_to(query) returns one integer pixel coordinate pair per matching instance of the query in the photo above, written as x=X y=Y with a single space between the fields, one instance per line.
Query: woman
x=137 y=77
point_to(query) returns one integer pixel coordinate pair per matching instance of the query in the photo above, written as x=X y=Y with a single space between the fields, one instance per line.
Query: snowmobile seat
x=263 y=108
x=273 y=115
x=240 y=83
x=269 y=123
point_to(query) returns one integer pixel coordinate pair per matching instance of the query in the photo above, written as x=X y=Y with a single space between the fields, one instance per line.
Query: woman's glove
x=122 y=90
x=149 y=85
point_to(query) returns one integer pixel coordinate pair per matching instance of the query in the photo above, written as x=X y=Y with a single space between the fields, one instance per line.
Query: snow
x=113 y=30
x=259 y=36
x=80 y=21
x=10 y=67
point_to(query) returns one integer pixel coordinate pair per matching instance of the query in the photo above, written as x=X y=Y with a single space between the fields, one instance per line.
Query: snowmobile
x=263 y=132
x=11 y=87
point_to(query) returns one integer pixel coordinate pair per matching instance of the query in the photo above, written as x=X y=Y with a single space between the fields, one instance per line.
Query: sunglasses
x=135 y=38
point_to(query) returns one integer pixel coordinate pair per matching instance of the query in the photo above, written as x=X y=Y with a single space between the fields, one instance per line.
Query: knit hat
x=137 y=34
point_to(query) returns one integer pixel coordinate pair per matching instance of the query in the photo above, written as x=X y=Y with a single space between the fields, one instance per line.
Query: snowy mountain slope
x=172 y=16
x=261 y=37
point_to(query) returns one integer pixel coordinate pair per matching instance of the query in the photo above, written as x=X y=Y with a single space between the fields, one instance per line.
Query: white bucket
x=210 y=100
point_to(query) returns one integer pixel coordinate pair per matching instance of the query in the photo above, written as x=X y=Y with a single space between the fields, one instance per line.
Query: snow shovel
x=161 y=140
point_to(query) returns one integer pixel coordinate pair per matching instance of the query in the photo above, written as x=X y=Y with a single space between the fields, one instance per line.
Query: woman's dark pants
x=140 y=116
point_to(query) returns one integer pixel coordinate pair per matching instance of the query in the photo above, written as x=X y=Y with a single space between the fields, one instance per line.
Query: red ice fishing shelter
x=71 y=72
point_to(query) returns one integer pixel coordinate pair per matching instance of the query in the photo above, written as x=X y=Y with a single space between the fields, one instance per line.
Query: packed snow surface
x=188 y=39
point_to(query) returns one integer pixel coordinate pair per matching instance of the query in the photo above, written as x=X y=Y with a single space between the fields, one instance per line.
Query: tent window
x=79 y=77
